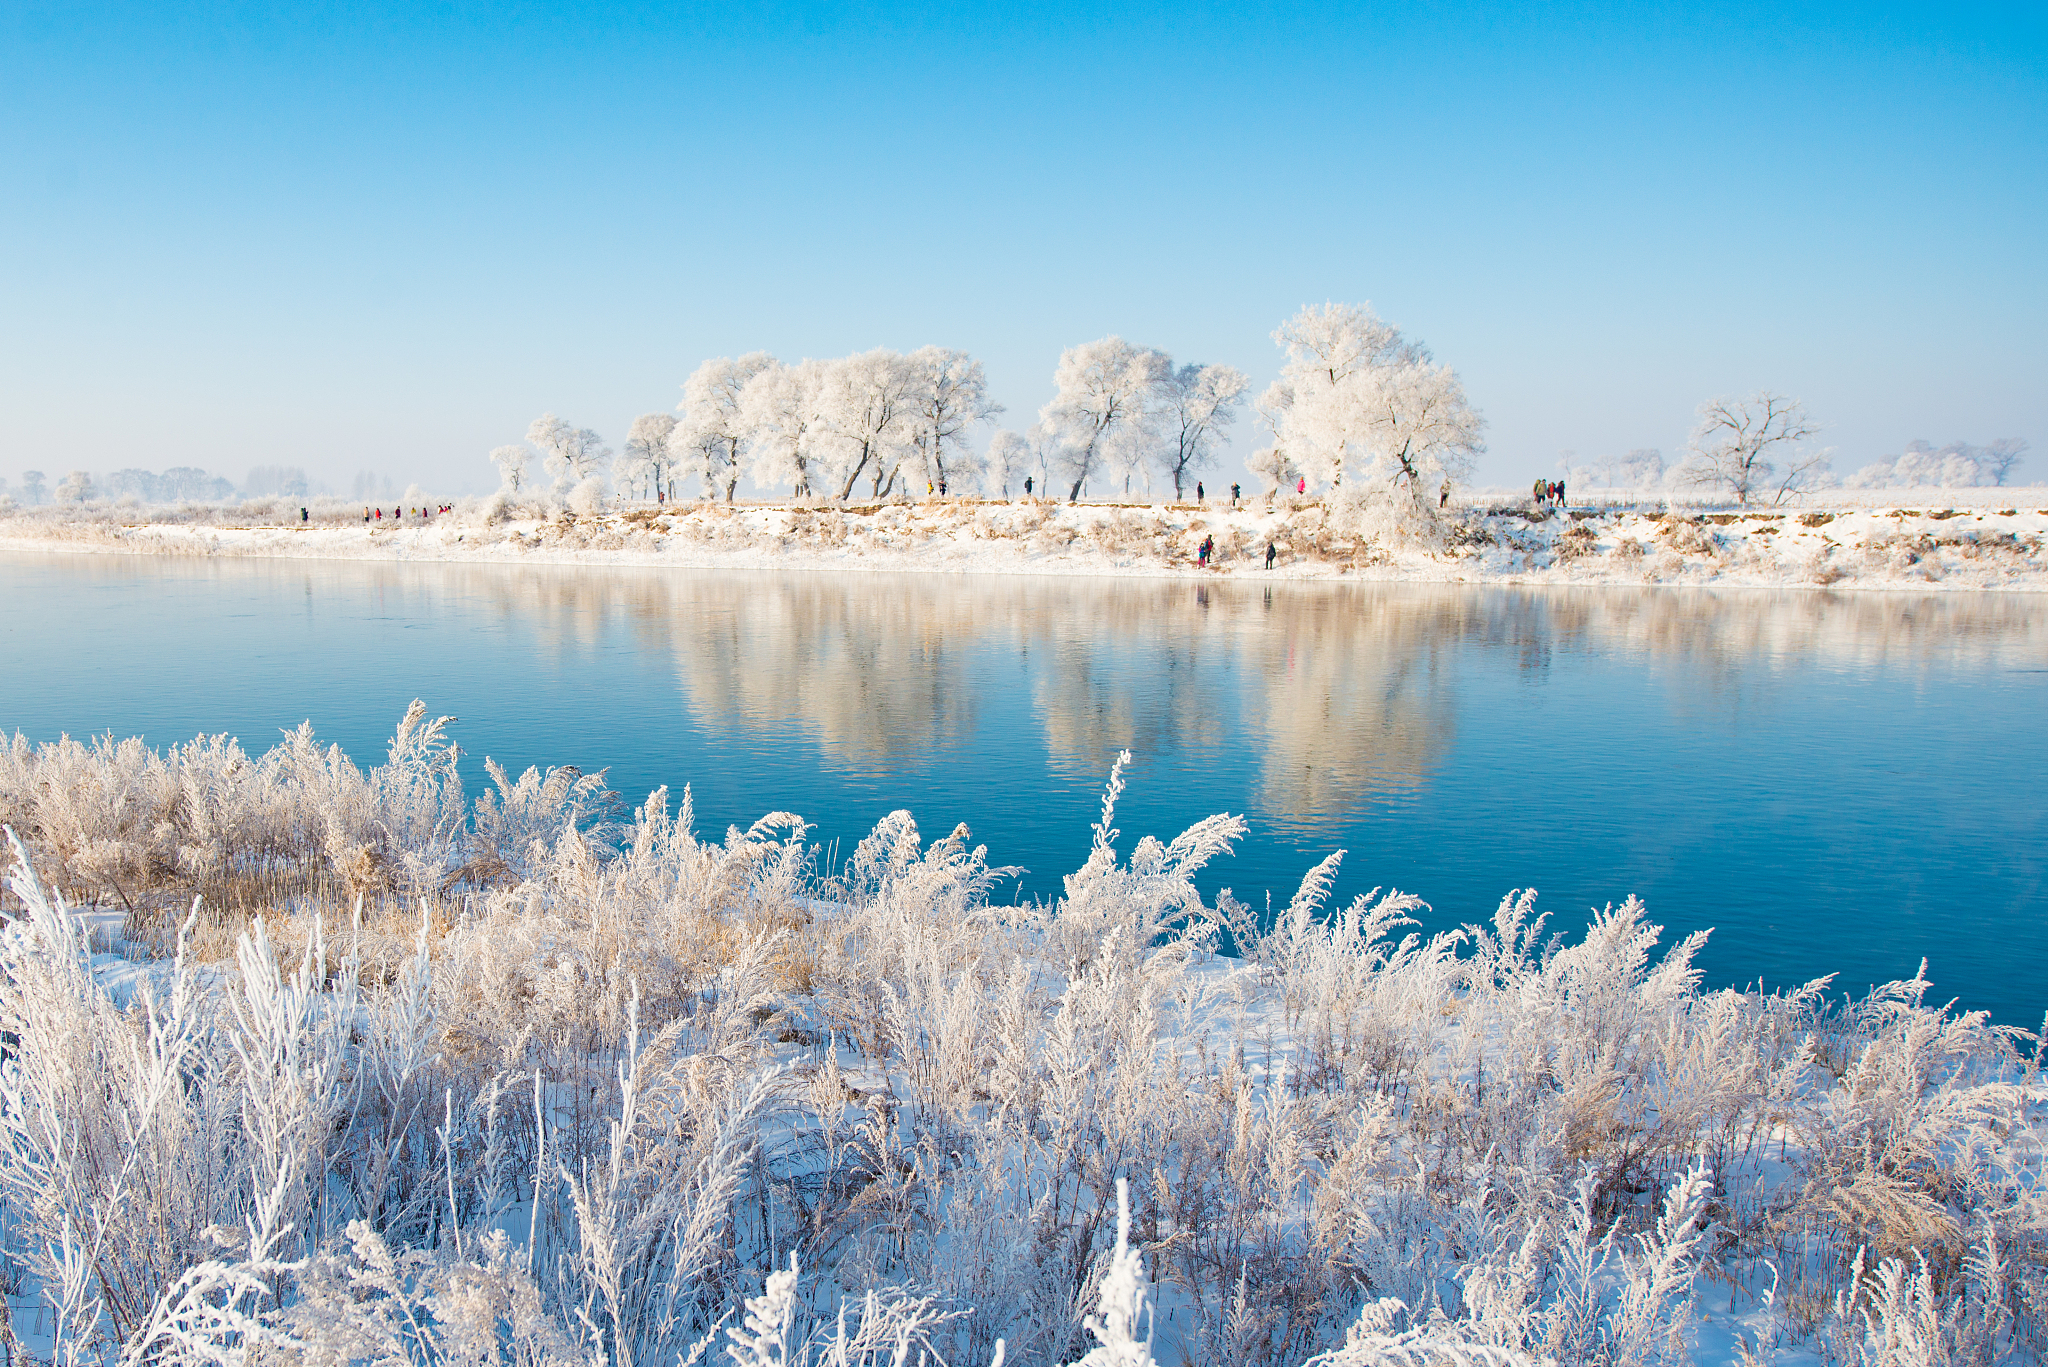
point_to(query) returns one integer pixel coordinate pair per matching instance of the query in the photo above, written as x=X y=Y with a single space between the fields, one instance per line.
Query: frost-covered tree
x=948 y=398
x=76 y=487
x=633 y=474
x=1957 y=465
x=512 y=461
x=707 y=453
x=1356 y=399
x=1271 y=467
x=1196 y=403
x=1737 y=444
x=868 y=403
x=2002 y=456
x=1105 y=392
x=713 y=433
x=782 y=425
x=1009 y=458
x=645 y=463
x=1642 y=468
x=32 y=490
x=1367 y=413
x=571 y=455
x=142 y=485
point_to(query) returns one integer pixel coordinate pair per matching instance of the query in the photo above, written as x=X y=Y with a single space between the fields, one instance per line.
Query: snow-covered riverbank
x=1978 y=545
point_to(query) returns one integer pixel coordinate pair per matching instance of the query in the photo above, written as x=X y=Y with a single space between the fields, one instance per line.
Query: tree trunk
x=853 y=475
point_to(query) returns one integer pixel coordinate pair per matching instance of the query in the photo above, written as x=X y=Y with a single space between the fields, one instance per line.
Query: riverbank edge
x=1881 y=549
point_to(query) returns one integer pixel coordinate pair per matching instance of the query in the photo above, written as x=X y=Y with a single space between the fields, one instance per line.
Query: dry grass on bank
x=570 y=1087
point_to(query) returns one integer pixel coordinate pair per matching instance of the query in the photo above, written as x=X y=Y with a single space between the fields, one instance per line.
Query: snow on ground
x=1952 y=539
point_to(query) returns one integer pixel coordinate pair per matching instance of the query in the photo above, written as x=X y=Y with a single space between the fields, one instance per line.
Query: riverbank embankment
x=1931 y=543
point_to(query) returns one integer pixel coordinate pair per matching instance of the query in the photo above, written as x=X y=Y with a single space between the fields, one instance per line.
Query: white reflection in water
x=1338 y=693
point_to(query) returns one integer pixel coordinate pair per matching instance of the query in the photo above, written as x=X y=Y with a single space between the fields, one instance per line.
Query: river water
x=1834 y=783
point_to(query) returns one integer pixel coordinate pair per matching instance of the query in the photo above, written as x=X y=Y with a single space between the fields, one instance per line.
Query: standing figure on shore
x=1272 y=552
x=1443 y=495
x=1233 y=493
x=1560 y=493
x=1200 y=496
x=1027 y=486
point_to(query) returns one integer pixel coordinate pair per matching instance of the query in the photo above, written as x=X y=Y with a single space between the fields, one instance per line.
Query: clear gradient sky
x=387 y=237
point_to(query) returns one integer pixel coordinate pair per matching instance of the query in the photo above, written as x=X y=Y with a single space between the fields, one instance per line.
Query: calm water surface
x=1833 y=783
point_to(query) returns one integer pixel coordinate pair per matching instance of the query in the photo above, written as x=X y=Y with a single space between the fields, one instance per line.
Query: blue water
x=1833 y=783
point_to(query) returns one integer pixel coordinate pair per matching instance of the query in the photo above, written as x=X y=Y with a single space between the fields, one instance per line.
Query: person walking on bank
x=1272 y=553
x=1233 y=494
x=1560 y=493
x=1027 y=486
x=1200 y=497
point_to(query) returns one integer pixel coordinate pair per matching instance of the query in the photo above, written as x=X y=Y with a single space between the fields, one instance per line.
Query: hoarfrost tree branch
x=1103 y=405
x=1642 y=468
x=2003 y=456
x=1271 y=465
x=1367 y=412
x=1957 y=465
x=512 y=462
x=571 y=455
x=1009 y=457
x=1198 y=402
x=781 y=417
x=714 y=430
x=646 y=460
x=948 y=398
x=1273 y=469
x=868 y=403
x=1735 y=440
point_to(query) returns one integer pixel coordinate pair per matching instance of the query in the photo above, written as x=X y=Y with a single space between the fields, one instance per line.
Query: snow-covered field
x=420 y=1079
x=1972 y=538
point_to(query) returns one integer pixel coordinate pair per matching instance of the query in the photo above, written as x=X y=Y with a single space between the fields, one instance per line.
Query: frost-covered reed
x=520 y=1081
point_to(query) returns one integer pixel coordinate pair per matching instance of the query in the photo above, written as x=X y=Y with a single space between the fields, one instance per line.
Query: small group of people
x=397 y=514
x=1548 y=492
x=1206 y=552
x=941 y=488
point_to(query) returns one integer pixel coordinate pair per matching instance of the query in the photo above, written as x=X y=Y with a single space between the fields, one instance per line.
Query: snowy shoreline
x=1932 y=543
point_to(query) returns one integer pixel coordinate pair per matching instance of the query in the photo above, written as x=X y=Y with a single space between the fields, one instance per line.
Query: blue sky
x=356 y=237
